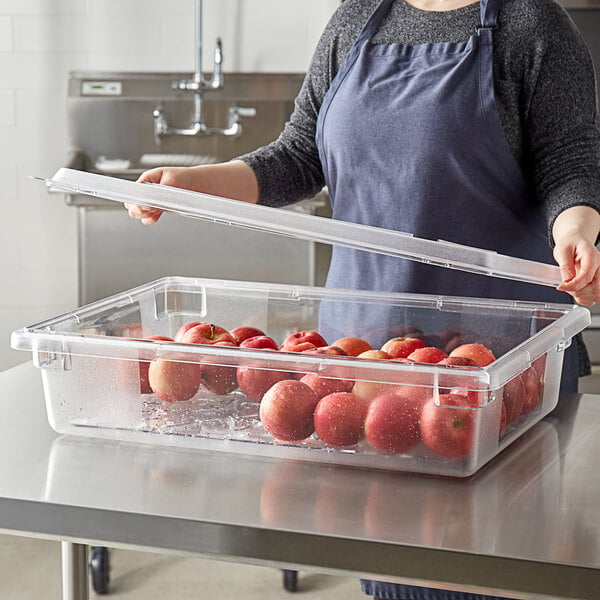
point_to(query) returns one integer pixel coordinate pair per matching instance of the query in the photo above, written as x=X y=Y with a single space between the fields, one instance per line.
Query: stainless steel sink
x=111 y=114
x=111 y=129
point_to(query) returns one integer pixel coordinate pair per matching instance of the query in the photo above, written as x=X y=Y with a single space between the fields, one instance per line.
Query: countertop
x=526 y=525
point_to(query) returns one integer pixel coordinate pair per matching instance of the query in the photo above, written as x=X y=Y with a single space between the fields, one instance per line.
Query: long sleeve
x=561 y=124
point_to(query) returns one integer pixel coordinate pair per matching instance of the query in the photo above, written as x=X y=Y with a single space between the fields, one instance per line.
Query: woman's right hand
x=182 y=177
x=234 y=180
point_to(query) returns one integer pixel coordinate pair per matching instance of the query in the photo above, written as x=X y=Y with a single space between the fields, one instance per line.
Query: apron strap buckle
x=485 y=34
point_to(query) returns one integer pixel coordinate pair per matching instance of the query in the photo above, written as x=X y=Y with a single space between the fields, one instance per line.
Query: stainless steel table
x=526 y=526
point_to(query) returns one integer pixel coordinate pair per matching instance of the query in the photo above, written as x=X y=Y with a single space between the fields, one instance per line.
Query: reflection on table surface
x=520 y=505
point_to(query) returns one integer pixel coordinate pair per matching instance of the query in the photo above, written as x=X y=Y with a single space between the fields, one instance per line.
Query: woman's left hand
x=575 y=232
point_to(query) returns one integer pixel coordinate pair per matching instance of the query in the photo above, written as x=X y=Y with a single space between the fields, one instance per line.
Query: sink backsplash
x=110 y=117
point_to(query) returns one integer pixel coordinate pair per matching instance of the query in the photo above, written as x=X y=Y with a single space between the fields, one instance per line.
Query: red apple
x=532 y=390
x=402 y=347
x=539 y=366
x=323 y=386
x=369 y=390
x=332 y=350
x=184 y=328
x=405 y=331
x=392 y=423
x=374 y=355
x=255 y=382
x=458 y=361
x=339 y=419
x=474 y=397
x=206 y=333
x=293 y=340
x=144 y=364
x=352 y=345
x=286 y=410
x=174 y=381
x=447 y=431
x=417 y=394
x=217 y=379
x=220 y=380
x=301 y=347
x=240 y=334
x=260 y=342
x=513 y=397
x=478 y=352
x=428 y=354
x=454 y=361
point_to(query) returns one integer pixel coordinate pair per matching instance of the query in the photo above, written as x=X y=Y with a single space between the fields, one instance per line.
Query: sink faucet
x=198 y=85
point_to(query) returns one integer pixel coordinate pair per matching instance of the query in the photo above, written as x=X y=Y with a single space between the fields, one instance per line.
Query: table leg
x=75 y=583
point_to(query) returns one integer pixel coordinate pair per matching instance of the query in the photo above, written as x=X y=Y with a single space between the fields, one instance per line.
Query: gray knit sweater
x=545 y=93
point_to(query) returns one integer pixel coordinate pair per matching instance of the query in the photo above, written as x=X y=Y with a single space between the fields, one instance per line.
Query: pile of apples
x=393 y=418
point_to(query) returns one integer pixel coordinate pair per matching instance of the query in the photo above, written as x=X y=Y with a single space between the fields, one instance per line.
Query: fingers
x=589 y=295
x=151 y=176
x=147 y=215
x=580 y=270
x=579 y=275
x=565 y=257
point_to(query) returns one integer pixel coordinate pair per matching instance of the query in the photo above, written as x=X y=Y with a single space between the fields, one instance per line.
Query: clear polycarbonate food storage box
x=298 y=397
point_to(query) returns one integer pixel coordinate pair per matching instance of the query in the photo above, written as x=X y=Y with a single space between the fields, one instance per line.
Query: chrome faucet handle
x=216 y=82
x=236 y=112
x=198 y=83
x=160 y=122
x=219 y=56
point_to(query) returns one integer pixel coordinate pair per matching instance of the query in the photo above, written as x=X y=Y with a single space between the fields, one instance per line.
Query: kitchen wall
x=40 y=42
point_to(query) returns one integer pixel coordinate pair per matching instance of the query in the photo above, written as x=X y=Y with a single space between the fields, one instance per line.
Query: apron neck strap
x=371 y=26
x=488 y=10
x=489 y=13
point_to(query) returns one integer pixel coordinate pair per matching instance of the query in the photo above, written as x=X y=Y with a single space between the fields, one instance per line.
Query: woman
x=470 y=122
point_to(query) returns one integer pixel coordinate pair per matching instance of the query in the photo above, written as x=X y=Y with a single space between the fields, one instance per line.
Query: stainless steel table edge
x=514 y=578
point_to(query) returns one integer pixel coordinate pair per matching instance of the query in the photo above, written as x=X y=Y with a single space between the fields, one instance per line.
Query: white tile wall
x=7 y=108
x=140 y=7
x=6 y=34
x=40 y=42
x=43 y=7
x=38 y=108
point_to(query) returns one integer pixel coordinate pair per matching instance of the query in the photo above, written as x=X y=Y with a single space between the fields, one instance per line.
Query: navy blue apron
x=410 y=139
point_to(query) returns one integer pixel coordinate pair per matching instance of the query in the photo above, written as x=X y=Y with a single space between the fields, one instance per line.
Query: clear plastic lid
x=304 y=226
